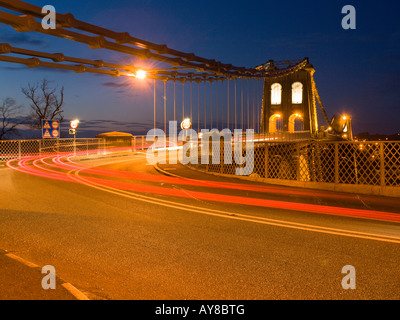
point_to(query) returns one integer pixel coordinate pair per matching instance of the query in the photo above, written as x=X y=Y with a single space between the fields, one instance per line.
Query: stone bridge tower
x=288 y=101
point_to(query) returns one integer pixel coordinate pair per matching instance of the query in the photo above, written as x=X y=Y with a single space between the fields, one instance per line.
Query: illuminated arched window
x=296 y=122
x=275 y=123
x=276 y=93
x=297 y=93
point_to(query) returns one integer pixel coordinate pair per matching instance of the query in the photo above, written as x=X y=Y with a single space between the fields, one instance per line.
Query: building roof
x=114 y=134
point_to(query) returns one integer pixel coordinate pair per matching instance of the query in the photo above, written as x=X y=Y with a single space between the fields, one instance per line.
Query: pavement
x=22 y=280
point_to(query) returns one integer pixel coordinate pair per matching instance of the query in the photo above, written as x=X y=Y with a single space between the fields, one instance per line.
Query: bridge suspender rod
x=248 y=103
x=254 y=113
x=191 y=107
x=217 y=104
x=154 y=106
x=235 y=105
x=183 y=100
x=205 y=106
x=227 y=91
x=241 y=103
x=198 y=106
x=316 y=94
x=257 y=128
x=174 y=100
x=165 y=107
x=211 y=107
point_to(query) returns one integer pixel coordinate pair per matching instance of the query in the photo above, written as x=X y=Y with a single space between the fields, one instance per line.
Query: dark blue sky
x=357 y=71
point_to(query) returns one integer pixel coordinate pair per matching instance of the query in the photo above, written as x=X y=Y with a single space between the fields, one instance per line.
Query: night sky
x=357 y=71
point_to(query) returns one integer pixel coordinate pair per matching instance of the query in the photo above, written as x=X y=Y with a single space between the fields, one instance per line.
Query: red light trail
x=60 y=168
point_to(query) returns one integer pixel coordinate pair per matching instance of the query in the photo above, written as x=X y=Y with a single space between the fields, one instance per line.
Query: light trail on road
x=58 y=167
x=240 y=217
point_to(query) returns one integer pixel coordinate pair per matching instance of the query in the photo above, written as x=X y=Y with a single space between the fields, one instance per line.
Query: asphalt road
x=116 y=228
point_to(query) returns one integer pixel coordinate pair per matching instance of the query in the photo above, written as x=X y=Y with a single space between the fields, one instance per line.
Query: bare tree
x=46 y=102
x=11 y=117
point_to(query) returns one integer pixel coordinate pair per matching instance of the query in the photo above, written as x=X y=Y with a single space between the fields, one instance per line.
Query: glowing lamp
x=141 y=74
x=186 y=124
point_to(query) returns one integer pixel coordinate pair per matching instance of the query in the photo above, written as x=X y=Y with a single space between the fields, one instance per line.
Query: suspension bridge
x=220 y=95
x=116 y=228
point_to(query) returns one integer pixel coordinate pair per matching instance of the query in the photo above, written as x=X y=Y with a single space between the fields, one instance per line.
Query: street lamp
x=141 y=74
x=186 y=124
x=74 y=124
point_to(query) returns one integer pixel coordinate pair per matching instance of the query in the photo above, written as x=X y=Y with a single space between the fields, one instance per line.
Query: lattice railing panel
x=391 y=152
x=281 y=161
x=354 y=163
x=324 y=162
x=16 y=149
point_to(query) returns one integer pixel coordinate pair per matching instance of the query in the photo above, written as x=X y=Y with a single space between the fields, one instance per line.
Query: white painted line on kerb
x=74 y=291
x=23 y=261
x=69 y=287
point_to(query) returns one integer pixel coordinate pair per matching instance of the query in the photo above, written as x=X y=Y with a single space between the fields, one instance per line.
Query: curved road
x=116 y=228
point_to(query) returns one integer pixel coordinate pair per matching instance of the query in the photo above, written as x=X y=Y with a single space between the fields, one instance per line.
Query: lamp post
x=74 y=124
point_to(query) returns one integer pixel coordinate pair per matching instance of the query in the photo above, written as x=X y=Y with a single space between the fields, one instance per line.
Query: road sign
x=55 y=133
x=72 y=131
x=50 y=129
x=47 y=134
x=56 y=124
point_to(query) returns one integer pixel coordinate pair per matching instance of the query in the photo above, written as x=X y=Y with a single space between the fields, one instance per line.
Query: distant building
x=117 y=139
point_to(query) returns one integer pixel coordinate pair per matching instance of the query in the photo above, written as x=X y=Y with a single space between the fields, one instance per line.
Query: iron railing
x=17 y=149
x=372 y=163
